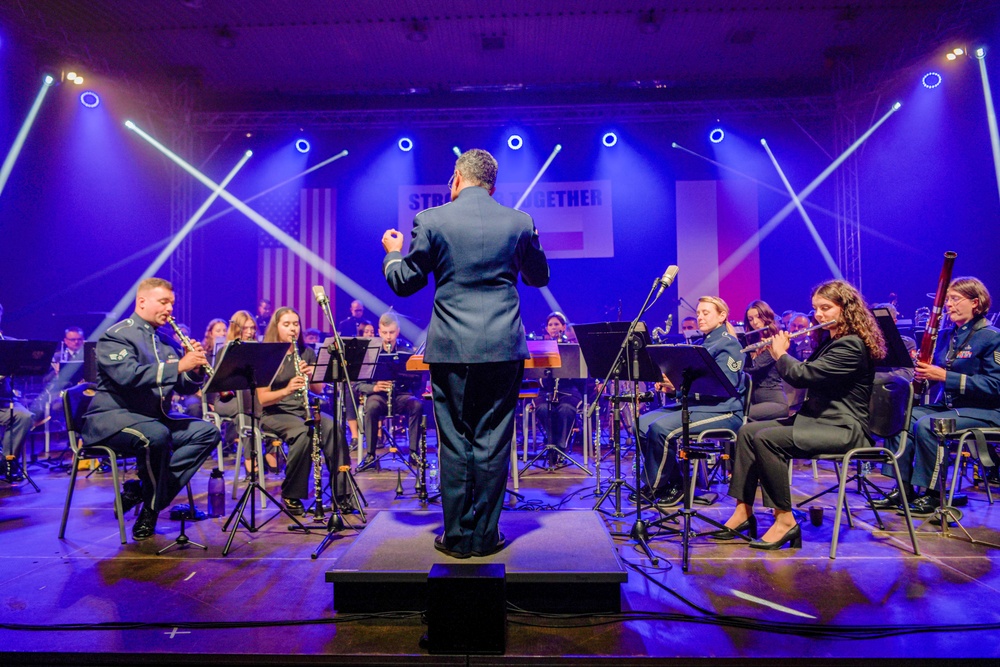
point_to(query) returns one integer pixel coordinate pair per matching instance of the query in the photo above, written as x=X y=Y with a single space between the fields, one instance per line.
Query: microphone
x=320 y=295
x=668 y=278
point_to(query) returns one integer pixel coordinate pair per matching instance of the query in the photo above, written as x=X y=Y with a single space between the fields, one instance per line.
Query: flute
x=187 y=344
x=767 y=341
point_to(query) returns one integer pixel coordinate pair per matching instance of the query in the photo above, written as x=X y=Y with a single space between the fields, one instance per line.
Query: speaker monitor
x=466 y=609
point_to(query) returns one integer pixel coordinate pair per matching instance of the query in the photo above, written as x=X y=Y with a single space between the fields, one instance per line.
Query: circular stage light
x=716 y=136
x=89 y=99
x=405 y=144
x=514 y=142
x=931 y=80
x=609 y=139
x=302 y=146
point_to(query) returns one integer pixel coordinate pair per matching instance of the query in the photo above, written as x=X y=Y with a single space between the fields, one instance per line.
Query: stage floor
x=270 y=581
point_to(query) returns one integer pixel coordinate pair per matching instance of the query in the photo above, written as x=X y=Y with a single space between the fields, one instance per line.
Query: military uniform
x=660 y=429
x=136 y=379
x=970 y=393
x=405 y=401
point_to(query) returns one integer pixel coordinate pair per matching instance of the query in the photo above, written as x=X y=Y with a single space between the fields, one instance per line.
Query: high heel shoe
x=749 y=526
x=793 y=537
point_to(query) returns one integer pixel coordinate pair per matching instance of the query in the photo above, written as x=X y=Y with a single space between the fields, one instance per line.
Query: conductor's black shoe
x=367 y=462
x=439 y=545
x=644 y=491
x=501 y=543
x=145 y=526
x=293 y=506
x=925 y=505
x=894 y=499
x=131 y=494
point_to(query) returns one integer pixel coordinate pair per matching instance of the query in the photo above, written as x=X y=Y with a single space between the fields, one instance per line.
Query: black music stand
x=247 y=366
x=692 y=369
x=609 y=348
x=572 y=367
x=24 y=358
x=389 y=366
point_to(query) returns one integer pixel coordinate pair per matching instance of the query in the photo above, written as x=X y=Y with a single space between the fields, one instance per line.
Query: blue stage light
x=931 y=80
x=89 y=99
x=716 y=136
x=405 y=144
x=49 y=80
x=514 y=142
x=302 y=146
x=609 y=139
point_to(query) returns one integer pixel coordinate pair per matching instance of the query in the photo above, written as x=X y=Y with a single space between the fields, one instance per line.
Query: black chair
x=76 y=400
x=975 y=439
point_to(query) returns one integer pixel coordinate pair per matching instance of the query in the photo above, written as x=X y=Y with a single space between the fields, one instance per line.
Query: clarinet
x=421 y=485
x=317 y=459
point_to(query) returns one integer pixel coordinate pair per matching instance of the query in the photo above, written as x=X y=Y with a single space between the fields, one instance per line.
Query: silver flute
x=767 y=341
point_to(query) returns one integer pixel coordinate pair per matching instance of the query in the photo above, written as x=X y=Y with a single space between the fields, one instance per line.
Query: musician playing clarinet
x=966 y=387
x=138 y=370
x=285 y=412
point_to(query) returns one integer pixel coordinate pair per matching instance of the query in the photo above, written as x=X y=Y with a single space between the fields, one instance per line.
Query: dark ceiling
x=237 y=50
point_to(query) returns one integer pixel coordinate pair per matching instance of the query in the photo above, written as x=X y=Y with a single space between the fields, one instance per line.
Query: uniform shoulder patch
x=734 y=365
x=121 y=325
x=118 y=356
x=996 y=357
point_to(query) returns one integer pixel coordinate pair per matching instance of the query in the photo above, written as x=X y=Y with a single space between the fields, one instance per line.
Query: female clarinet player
x=285 y=409
x=834 y=418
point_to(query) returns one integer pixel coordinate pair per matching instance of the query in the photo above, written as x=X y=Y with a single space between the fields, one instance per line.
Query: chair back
x=889 y=407
x=76 y=400
x=747 y=396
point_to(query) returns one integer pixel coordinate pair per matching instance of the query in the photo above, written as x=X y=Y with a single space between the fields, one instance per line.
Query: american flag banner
x=310 y=216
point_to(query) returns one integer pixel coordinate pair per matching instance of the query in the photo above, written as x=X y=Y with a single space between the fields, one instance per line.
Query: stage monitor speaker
x=467 y=609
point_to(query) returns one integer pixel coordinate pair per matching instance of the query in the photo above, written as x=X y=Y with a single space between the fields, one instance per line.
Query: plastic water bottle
x=432 y=475
x=216 y=493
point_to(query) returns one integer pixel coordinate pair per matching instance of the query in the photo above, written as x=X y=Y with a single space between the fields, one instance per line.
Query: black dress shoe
x=293 y=506
x=501 y=543
x=131 y=494
x=644 y=491
x=793 y=538
x=893 y=500
x=440 y=546
x=346 y=505
x=749 y=526
x=924 y=505
x=145 y=526
x=669 y=497
x=367 y=462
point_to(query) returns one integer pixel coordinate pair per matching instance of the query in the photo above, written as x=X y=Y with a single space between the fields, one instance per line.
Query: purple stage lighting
x=931 y=80
x=302 y=146
x=609 y=139
x=405 y=144
x=514 y=142
x=716 y=136
x=89 y=99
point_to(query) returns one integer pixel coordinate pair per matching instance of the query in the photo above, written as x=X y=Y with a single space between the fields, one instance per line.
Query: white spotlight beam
x=827 y=257
x=116 y=312
x=22 y=134
x=546 y=292
x=730 y=263
x=308 y=256
x=991 y=117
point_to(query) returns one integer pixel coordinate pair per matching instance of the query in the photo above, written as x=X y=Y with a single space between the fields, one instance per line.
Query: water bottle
x=432 y=475
x=216 y=493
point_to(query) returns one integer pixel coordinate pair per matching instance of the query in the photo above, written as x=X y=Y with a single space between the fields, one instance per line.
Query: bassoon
x=927 y=343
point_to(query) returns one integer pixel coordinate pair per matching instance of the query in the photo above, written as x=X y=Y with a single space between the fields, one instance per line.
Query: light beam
x=22 y=134
x=991 y=115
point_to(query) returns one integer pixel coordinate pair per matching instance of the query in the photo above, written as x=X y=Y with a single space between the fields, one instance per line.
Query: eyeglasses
x=74 y=340
x=451 y=181
x=955 y=299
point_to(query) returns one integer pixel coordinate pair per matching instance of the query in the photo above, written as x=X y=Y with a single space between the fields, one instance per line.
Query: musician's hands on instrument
x=780 y=344
x=930 y=372
x=193 y=359
x=304 y=368
x=666 y=386
x=392 y=241
x=383 y=385
x=297 y=383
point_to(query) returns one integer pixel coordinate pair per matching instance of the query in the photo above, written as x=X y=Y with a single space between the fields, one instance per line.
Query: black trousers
x=474 y=408
x=557 y=420
x=763 y=450
x=294 y=431
x=168 y=454
x=377 y=407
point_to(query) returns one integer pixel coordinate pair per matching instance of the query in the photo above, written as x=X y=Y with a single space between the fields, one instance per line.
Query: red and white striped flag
x=283 y=277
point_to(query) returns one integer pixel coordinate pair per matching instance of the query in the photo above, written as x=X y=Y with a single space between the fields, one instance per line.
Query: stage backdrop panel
x=310 y=216
x=714 y=218
x=573 y=218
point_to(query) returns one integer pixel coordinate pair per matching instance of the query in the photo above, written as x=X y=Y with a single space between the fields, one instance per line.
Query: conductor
x=476 y=348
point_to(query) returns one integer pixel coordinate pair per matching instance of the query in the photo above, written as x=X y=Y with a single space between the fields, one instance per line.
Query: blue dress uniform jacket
x=475 y=248
x=838 y=376
x=137 y=375
x=728 y=353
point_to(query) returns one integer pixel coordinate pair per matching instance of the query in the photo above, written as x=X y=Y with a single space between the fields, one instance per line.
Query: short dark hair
x=973 y=288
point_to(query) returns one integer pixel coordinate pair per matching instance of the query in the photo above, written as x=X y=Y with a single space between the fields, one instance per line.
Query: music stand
x=25 y=358
x=572 y=367
x=897 y=356
x=692 y=369
x=606 y=347
x=247 y=366
x=389 y=366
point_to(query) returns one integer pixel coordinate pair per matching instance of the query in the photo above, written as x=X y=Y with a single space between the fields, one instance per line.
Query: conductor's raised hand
x=392 y=241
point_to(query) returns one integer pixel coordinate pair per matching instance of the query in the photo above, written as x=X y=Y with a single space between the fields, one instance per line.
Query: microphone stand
x=639 y=531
